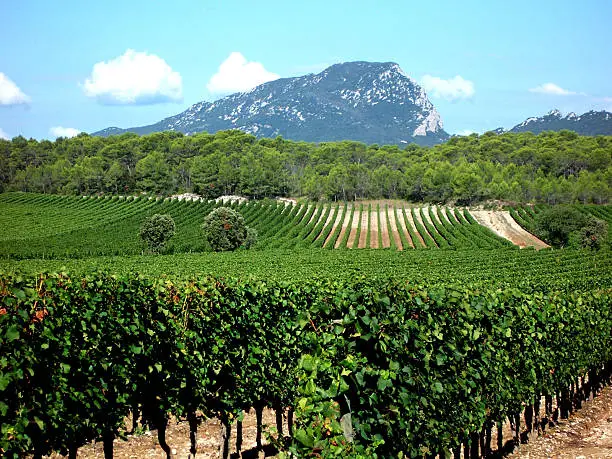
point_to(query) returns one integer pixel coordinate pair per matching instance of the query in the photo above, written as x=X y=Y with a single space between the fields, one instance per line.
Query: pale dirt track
x=330 y=217
x=363 y=236
x=333 y=230
x=208 y=441
x=402 y=224
x=384 y=230
x=354 y=228
x=410 y=221
x=347 y=217
x=502 y=224
x=419 y=219
x=394 y=228
x=374 y=230
x=586 y=434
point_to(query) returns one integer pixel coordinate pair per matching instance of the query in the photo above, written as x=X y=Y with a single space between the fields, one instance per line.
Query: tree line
x=551 y=167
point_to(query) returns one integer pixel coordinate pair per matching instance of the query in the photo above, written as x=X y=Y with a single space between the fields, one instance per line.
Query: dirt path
x=354 y=228
x=441 y=213
x=502 y=224
x=177 y=436
x=453 y=218
x=410 y=222
x=347 y=217
x=402 y=225
x=586 y=434
x=330 y=217
x=374 y=229
x=363 y=236
x=384 y=230
x=313 y=215
x=394 y=229
x=333 y=230
x=419 y=218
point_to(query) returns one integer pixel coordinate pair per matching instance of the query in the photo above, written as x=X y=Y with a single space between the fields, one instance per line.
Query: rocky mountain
x=364 y=101
x=589 y=123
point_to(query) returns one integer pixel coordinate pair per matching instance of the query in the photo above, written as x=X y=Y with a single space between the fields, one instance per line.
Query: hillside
x=369 y=102
x=589 y=123
x=62 y=226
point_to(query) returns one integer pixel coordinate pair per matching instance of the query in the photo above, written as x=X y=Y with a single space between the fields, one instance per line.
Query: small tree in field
x=224 y=229
x=564 y=226
x=592 y=235
x=555 y=224
x=156 y=231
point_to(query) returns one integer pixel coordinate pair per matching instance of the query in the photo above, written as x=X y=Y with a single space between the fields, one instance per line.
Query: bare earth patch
x=177 y=436
x=333 y=230
x=373 y=230
x=349 y=212
x=401 y=222
x=330 y=217
x=363 y=236
x=384 y=231
x=502 y=224
x=410 y=221
x=353 y=233
x=394 y=229
x=586 y=434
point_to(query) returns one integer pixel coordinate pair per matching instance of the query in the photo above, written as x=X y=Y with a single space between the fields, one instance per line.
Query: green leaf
x=304 y=438
x=12 y=333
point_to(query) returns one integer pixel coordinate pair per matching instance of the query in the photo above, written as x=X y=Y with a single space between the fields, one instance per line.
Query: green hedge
x=420 y=369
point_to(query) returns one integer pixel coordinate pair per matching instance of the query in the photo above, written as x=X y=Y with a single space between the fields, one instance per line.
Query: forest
x=551 y=167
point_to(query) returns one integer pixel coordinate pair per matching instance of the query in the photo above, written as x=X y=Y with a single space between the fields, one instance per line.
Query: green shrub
x=156 y=231
x=555 y=225
x=251 y=238
x=592 y=235
x=224 y=229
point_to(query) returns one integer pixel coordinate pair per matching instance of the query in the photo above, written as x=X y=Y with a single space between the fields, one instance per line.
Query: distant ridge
x=589 y=123
x=363 y=101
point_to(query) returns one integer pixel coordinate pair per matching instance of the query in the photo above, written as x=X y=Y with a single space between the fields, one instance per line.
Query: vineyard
x=451 y=342
x=44 y=226
x=364 y=367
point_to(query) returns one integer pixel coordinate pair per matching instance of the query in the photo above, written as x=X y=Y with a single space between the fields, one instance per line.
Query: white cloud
x=134 y=78
x=4 y=135
x=235 y=74
x=10 y=94
x=451 y=89
x=551 y=88
x=59 y=131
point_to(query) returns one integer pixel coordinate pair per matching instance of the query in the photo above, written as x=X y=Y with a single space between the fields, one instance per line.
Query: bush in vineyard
x=156 y=231
x=225 y=229
x=592 y=235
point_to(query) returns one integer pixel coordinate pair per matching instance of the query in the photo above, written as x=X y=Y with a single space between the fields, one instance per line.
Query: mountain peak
x=589 y=123
x=371 y=102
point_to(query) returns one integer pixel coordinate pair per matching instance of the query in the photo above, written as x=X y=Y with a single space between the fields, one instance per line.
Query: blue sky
x=69 y=66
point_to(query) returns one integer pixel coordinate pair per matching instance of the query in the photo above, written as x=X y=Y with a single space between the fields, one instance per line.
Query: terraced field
x=43 y=226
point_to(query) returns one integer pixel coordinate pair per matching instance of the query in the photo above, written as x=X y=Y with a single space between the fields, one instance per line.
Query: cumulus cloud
x=551 y=88
x=59 y=131
x=4 y=135
x=451 y=89
x=134 y=78
x=236 y=74
x=10 y=94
